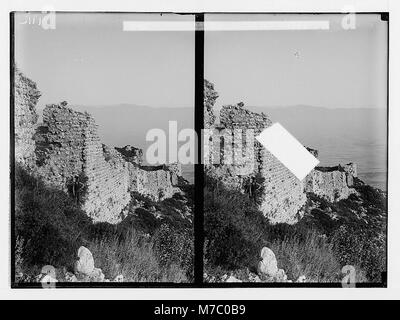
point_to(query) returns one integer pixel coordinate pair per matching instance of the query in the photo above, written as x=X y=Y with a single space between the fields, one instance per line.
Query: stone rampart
x=281 y=195
x=65 y=151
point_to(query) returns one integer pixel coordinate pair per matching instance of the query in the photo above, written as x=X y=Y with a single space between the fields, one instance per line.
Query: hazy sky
x=89 y=60
x=327 y=68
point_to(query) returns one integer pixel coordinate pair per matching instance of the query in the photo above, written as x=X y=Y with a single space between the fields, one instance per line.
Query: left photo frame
x=102 y=149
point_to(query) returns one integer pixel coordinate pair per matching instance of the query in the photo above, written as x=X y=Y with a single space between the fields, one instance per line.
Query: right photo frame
x=295 y=149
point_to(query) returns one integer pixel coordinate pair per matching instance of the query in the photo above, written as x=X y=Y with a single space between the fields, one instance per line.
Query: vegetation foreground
x=154 y=243
x=328 y=237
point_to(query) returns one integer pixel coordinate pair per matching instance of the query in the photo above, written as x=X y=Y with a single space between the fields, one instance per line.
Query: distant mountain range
x=318 y=127
x=341 y=135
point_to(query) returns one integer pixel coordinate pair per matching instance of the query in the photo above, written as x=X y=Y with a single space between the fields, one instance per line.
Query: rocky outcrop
x=131 y=154
x=332 y=183
x=268 y=266
x=238 y=160
x=235 y=158
x=65 y=152
x=267 y=272
x=26 y=96
x=210 y=96
x=85 y=262
x=84 y=271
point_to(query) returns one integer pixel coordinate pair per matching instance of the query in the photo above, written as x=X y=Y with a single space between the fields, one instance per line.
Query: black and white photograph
x=295 y=112
x=103 y=115
x=200 y=155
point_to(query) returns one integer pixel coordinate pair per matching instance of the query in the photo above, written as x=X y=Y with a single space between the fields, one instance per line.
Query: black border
x=199 y=170
x=12 y=150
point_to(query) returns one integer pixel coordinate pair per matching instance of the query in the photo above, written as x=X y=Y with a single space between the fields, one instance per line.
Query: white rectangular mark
x=288 y=150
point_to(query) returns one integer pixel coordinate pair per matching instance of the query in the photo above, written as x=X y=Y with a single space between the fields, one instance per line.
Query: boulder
x=119 y=278
x=97 y=275
x=254 y=278
x=268 y=266
x=85 y=262
x=48 y=269
x=280 y=276
x=47 y=276
x=233 y=279
x=48 y=280
x=70 y=277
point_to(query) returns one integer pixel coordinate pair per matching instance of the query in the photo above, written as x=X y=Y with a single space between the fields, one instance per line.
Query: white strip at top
x=225 y=25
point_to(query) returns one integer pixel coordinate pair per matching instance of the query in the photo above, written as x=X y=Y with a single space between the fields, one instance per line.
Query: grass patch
x=50 y=227
x=312 y=256
x=135 y=258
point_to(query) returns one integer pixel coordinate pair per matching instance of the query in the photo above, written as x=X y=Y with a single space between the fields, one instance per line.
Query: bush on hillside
x=77 y=188
x=360 y=247
x=175 y=247
x=318 y=246
x=233 y=227
x=51 y=223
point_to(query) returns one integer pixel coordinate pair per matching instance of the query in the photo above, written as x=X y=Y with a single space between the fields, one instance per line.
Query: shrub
x=372 y=196
x=362 y=248
x=19 y=259
x=233 y=227
x=175 y=247
x=51 y=223
x=254 y=187
x=77 y=188
x=143 y=220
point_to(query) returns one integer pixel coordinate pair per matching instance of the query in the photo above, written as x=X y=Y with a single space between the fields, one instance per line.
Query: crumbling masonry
x=65 y=151
x=282 y=195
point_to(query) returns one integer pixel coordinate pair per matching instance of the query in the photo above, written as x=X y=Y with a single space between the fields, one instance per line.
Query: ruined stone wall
x=331 y=183
x=175 y=171
x=65 y=151
x=233 y=148
x=69 y=145
x=237 y=116
x=26 y=96
x=131 y=154
x=351 y=173
x=235 y=164
x=210 y=95
x=283 y=193
x=60 y=142
x=108 y=180
x=157 y=183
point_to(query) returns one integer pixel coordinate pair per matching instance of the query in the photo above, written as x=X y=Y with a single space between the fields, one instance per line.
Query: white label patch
x=288 y=150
